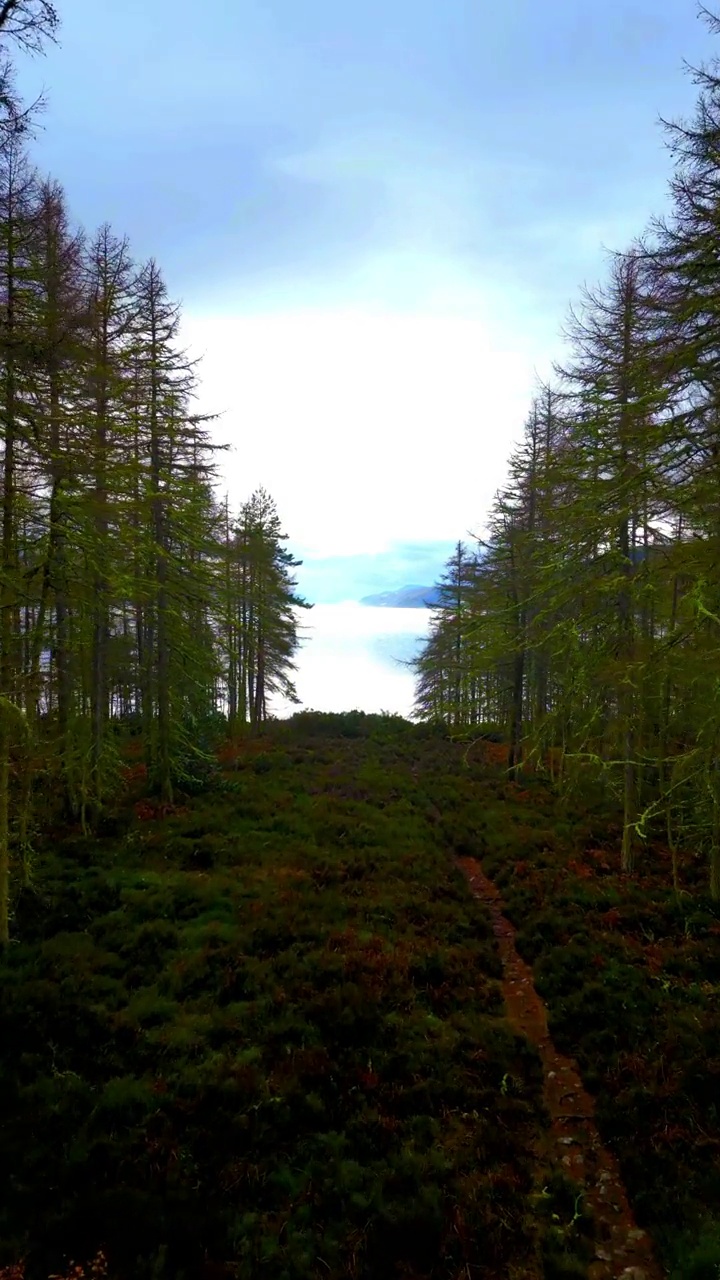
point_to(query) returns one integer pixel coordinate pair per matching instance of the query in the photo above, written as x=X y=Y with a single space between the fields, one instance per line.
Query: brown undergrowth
x=628 y=968
x=261 y=1033
x=239 y=1040
x=572 y=1141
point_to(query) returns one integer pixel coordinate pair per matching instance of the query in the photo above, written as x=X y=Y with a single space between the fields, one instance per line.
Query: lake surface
x=352 y=658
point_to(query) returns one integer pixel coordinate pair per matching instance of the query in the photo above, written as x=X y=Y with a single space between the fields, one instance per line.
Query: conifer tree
x=109 y=275
x=24 y=25
x=261 y=630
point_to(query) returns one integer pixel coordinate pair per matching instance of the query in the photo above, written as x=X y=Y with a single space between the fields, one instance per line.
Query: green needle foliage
x=124 y=598
x=585 y=627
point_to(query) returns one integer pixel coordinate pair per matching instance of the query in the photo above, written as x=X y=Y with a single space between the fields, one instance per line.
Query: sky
x=375 y=215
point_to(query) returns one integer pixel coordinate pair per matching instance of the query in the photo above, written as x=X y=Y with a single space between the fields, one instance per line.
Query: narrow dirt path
x=623 y=1251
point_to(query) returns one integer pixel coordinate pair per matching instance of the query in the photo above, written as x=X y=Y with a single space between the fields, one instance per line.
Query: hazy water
x=350 y=658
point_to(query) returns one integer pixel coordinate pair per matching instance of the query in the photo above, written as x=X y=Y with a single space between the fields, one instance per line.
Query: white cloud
x=370 y=425
x=420 y=190
x=379 y=403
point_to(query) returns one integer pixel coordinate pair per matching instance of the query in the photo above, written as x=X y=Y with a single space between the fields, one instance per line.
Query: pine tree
x=260 y=628
x=109 y=273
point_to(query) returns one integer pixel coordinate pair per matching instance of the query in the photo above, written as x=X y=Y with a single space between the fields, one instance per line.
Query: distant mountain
x=405 y=598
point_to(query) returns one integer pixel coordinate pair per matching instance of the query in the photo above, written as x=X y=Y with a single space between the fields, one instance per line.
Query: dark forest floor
x=572 y=1139
x=264 y=1035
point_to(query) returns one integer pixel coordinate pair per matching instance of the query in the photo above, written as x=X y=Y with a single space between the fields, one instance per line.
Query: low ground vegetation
x=260 y=1033
x=263 y=1028
x=629 y=968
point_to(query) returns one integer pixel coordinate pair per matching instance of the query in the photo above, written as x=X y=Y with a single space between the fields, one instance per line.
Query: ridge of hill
x=411 y=597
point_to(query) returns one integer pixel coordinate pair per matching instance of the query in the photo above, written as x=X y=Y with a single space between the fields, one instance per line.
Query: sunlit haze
x=355 y=656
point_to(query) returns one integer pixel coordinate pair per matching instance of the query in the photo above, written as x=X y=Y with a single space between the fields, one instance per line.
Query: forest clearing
x=266 y=1031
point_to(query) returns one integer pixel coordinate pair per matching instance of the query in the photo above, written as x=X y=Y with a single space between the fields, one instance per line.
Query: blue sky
x=325 y=579
x=375 y=214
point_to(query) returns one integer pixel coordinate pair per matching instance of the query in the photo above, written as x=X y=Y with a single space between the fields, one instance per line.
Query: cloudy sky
x=375 y=214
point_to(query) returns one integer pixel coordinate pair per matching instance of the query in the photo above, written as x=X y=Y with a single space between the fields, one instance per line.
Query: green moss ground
x=266 y=1031
x=630 y=972
x=262 y=1036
